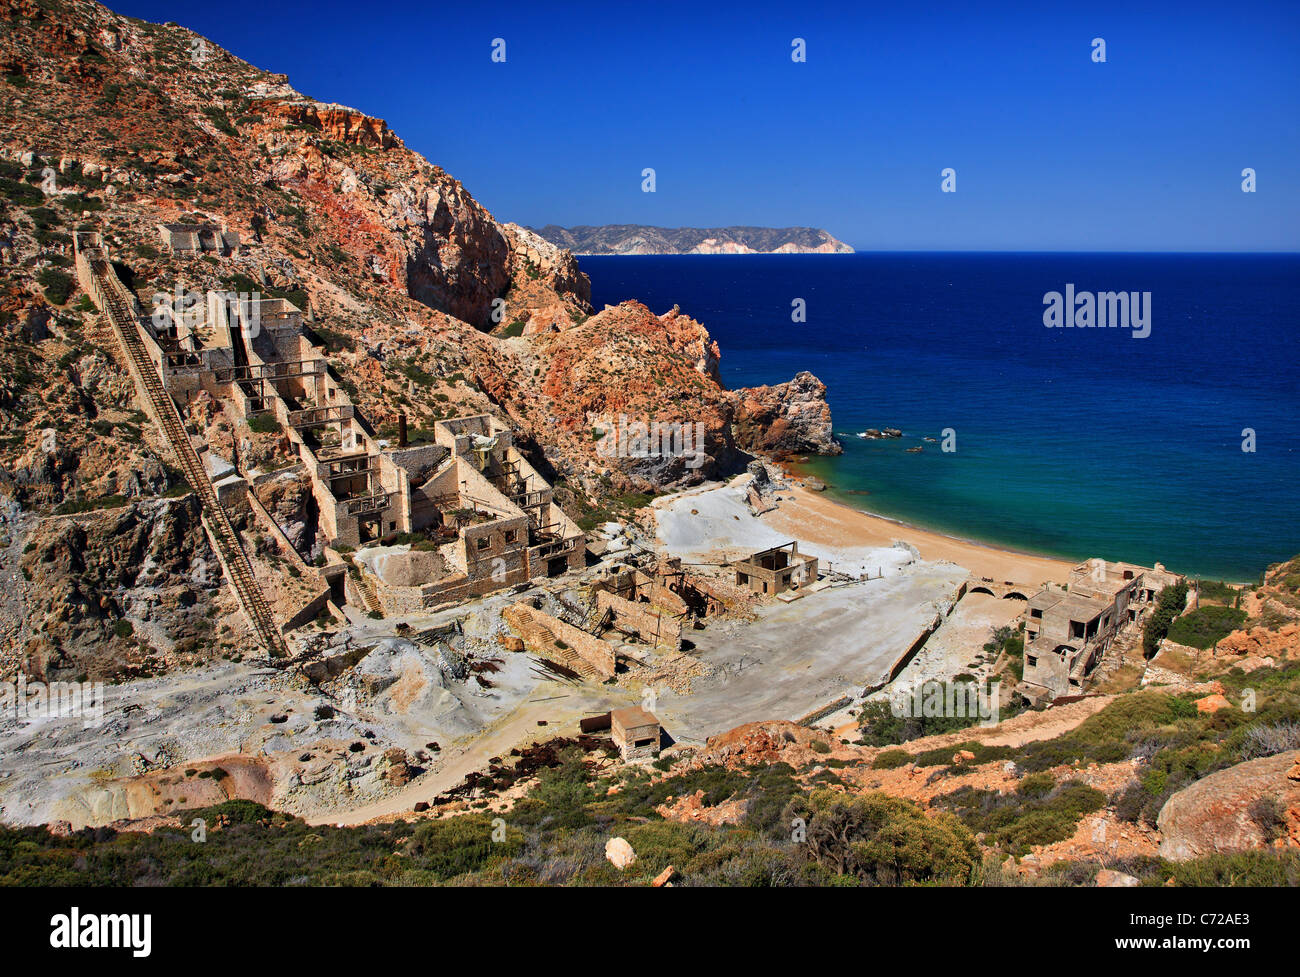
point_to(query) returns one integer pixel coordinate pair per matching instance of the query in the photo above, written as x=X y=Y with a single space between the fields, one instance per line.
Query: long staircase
x=121 y=309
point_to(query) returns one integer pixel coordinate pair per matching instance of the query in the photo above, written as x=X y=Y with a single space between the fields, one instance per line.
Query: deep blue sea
x=1069 y=442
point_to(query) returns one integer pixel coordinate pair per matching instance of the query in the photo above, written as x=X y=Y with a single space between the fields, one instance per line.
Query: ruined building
x=776 y=570
x=482 y=516
x=181 y=238
x=1068 y=630
x=636 y=733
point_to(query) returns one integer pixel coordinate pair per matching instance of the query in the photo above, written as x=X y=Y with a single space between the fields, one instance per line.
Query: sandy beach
x=804 y=514
x=714 y=523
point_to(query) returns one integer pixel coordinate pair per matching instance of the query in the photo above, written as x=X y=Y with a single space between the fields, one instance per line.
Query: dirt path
x=1028 y=727
x=517 y=729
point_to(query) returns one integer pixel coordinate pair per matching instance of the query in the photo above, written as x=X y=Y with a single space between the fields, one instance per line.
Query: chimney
x=401 y=429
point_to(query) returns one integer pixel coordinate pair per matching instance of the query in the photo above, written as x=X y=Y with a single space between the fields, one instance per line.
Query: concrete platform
x=797 y=658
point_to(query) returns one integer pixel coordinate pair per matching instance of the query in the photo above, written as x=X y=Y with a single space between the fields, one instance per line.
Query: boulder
x=1212 y=703
x=1252 y=805
x=619 y=853
x=396 y=767
x=1110 y=879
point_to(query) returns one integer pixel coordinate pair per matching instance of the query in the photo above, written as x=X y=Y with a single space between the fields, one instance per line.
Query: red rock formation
x=337 y=122
x=1262 y=642
x=788 y=418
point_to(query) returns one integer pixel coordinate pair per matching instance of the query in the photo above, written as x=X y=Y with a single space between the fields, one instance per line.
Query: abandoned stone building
x=636 y=733
x=1068 y=630
x=483 y=516
x=209 y=238
x=776 y=570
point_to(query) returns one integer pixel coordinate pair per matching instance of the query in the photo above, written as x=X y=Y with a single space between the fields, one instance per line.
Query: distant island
x=640 y=239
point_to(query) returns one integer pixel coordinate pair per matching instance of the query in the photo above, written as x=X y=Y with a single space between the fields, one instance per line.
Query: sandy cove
x=714 y=523
x=811 y=516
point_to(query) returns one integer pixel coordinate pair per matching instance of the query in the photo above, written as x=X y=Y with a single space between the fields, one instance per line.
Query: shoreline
x=800 y=480
x=816 y=516
x=799 y=477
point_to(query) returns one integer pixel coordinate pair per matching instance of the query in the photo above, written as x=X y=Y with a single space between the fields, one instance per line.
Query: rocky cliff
x=640 y=239
x=426 y=304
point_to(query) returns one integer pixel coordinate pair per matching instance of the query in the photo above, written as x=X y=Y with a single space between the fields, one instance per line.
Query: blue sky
x=1052 y=151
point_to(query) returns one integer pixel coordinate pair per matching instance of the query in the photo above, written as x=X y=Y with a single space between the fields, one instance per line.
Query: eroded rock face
x=338 y=122
x=1284 y=642
x=459 y=263
x=1252 y=805
x=287 y=497
x=760 y=743
x=786 y=418
x=627 y=366
x=99 y=583
x=554 y=266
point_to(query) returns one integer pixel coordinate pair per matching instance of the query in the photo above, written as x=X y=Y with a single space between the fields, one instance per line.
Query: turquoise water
x=1070 y=442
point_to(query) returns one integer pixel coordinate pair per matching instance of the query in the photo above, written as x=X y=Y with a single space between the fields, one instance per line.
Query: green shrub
x=73 y=506
x=58 y=285
x=891 y=759
x=20 y=193
x=1169 y=605
x=264 y=424
x=1037 y=813
x=1220 y=590
x=449 y=847
x=983 y=754
x=1206 y=626
x=883 y=840
x=881 y=727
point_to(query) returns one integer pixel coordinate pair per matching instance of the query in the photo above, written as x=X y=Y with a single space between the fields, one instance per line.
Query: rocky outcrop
x=1282 y=642
x=337 y=122
x=613 y=371
x=536 y=258
x=100 y=585
x=287 y=497
x=760 y=744
x=691 y=809
x=1248 y=806
x=786 y=419
x=460 y=261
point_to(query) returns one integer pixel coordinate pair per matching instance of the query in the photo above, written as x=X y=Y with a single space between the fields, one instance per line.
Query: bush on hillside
x=1169 y=605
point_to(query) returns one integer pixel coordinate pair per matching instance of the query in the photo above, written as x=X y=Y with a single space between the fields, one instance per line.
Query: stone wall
x=542 y=632
x=645 y=621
